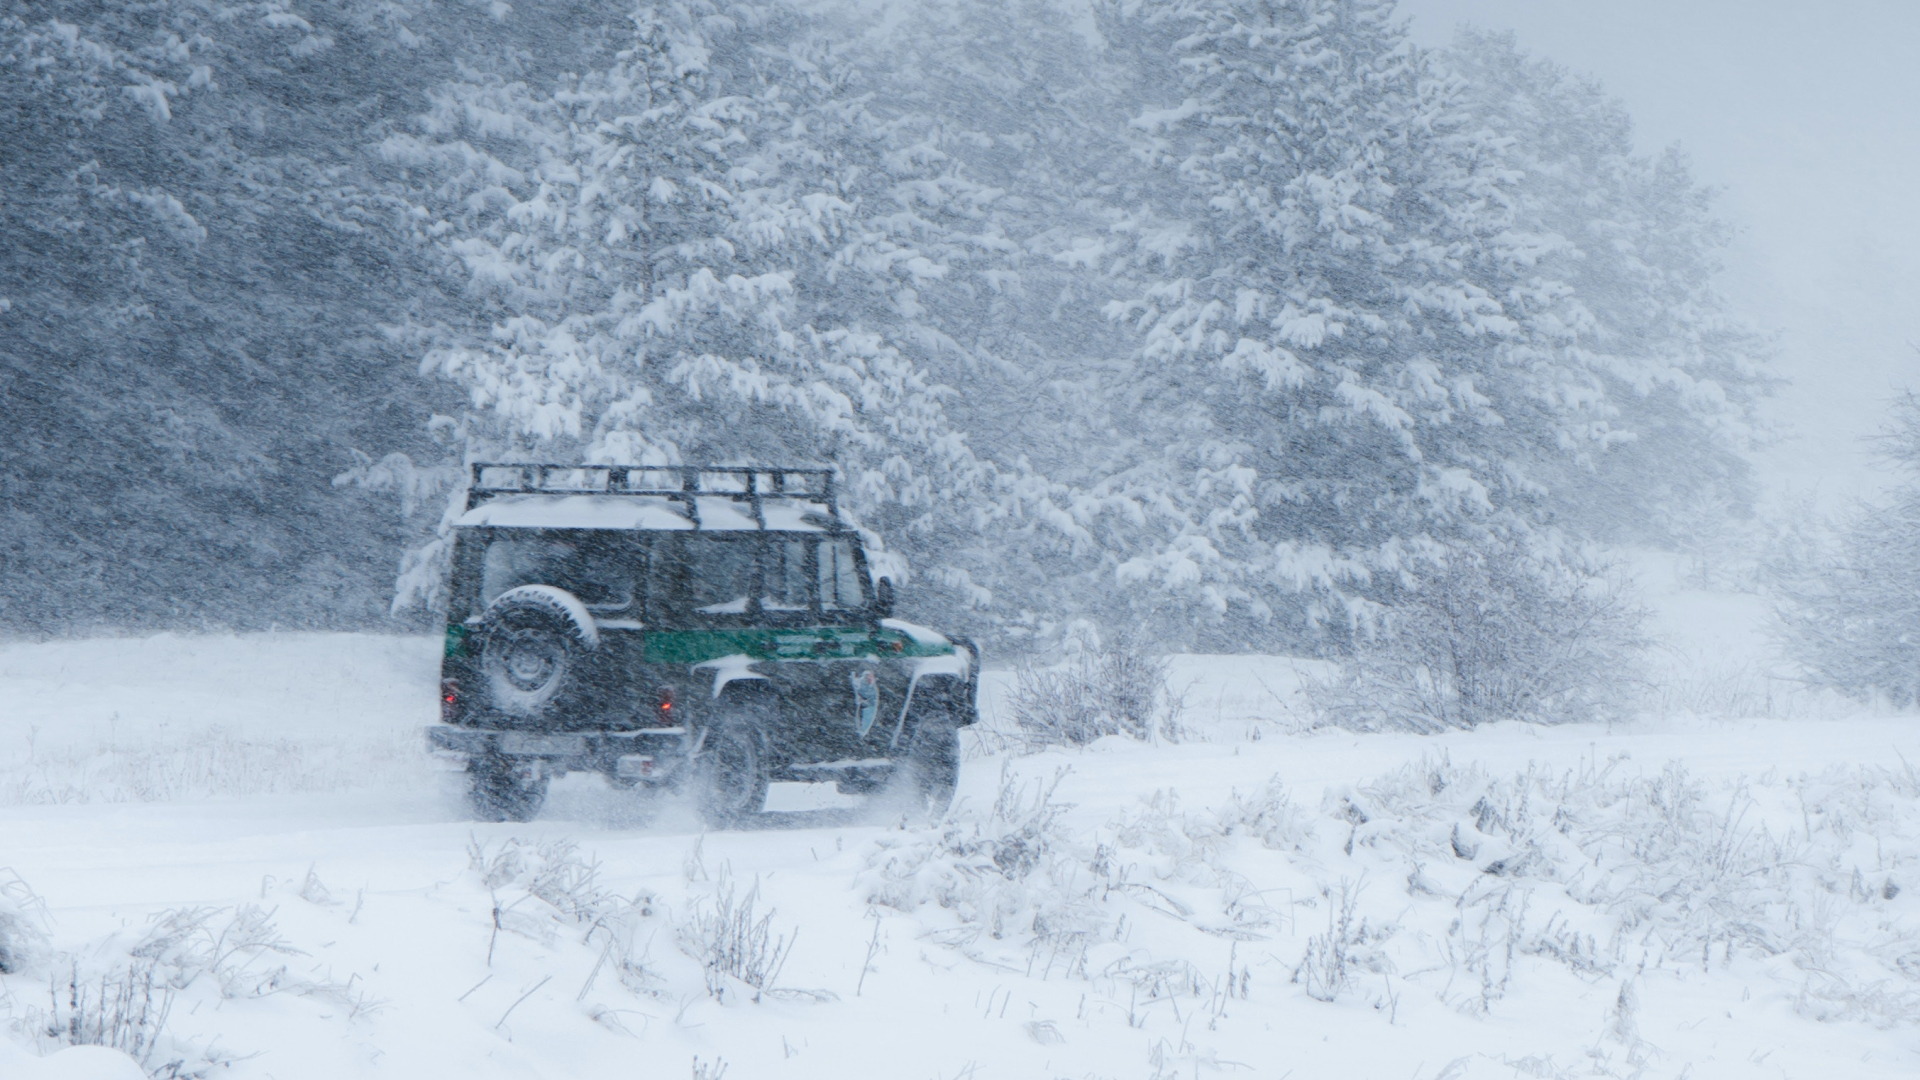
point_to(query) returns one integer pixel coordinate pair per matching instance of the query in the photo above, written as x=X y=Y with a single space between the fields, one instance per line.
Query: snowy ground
x=248 y=823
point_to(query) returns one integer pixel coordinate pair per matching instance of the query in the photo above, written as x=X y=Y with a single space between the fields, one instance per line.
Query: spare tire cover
x=534 y=641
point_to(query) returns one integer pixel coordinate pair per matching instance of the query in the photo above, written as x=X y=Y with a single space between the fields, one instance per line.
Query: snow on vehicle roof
x=718 y=513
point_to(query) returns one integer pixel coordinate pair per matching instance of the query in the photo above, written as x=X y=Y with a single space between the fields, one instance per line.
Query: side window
x=719 y=575
x=694 y=575
x=603 y=577
x=785 y=576
x=839 y=576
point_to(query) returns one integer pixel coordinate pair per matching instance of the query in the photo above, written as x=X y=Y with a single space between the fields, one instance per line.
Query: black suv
x=711 y=627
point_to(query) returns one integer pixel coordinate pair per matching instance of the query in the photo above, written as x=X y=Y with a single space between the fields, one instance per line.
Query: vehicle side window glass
x=785 y=577
x=702 y=575
x=839 y=576
x=666 y=578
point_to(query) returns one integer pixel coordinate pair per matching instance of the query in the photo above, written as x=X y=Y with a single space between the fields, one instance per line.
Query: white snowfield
x=250 y=826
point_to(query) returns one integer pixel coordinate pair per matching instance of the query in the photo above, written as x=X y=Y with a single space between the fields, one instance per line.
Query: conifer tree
x=646 y=247
x=1851 y=609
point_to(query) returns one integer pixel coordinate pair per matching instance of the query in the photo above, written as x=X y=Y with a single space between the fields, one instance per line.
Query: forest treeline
x=1222 y=321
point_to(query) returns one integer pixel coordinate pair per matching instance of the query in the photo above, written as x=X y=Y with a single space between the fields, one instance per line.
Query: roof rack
x=743 y=483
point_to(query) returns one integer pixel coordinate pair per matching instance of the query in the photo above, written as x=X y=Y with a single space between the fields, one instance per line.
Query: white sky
x=1807 y=116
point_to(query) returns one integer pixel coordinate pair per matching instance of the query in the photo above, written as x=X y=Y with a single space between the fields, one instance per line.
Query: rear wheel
x=730 y=774
x=927 y=776
x=499 y=789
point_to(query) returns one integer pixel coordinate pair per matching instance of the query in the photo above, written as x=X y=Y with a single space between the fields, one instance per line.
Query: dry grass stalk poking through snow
x=1148 y=910
x=125 y=1000
x=1604 y=873
x=126 y=1011
x=1513 y=884
x=541 y=889
x=734 y=942
x=1327 y=969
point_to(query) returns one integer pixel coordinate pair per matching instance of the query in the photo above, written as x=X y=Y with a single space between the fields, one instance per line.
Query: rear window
x=601 y=572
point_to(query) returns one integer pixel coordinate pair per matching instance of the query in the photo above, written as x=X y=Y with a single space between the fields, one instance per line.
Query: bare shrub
x=1117 y=690
x=1700 y=683
x=1493 y=632
x=734 y=941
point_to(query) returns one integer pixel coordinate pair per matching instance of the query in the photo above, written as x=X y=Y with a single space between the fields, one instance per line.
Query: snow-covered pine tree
x=1244 y=304
x=1635 y=247
x=1342 y=351
x=1851 y=612
x=1361 y=336
x=641 y=244
x=192 y=280
x=1008 y=143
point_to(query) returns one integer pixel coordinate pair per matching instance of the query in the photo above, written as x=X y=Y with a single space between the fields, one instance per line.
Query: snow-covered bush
x=1120 y=689
x=1492 y=631
x=1595 y=871
x=1852 y=610
x=1005 y=875
x=23 y=925
x=1602 y=872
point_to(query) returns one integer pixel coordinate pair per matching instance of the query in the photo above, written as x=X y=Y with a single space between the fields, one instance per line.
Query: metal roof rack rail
x=742 y=483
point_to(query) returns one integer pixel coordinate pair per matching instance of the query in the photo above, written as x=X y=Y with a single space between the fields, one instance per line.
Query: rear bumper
x=584 y=750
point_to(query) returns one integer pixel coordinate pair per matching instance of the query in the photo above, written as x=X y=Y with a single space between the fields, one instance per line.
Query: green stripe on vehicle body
x=456 y=644
x=785 y=643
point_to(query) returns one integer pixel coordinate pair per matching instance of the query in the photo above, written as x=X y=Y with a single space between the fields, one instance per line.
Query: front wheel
x=730 y=775
x=499 y=790
x=927 y=775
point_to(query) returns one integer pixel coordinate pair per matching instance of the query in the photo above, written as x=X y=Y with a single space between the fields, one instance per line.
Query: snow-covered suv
x=711 y=627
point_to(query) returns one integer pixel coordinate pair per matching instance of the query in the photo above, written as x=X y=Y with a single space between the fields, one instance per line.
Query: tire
x=730 y=774
x=927 y=775
x=498 y=791
x=533 y=655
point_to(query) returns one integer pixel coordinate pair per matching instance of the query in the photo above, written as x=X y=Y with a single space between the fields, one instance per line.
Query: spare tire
x=534 y=642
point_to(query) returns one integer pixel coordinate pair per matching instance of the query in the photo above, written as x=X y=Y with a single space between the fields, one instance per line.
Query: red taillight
x=449 y=701
x=666 y=702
